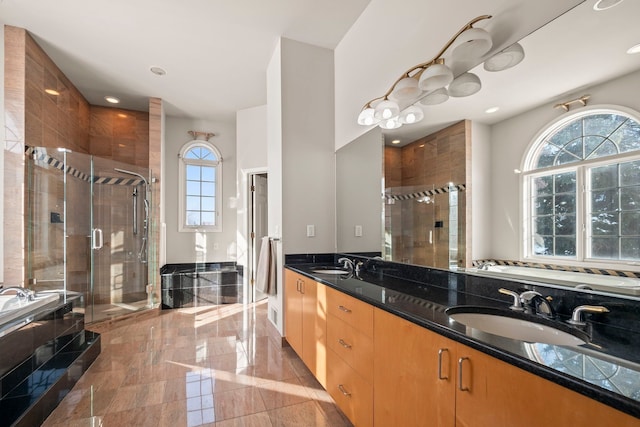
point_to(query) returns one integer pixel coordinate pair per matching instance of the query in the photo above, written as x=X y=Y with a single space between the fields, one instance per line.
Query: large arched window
x=582 y=189
x=200 y=187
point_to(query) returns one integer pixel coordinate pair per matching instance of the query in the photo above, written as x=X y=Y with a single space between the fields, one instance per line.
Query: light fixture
x=491 y=110
x=52 y=92
x=505 y=59
x=386 y=110
x=436 y=77
x=392 y=123
x=432 y=82
x=436 y=97
x=634 y=49
x=472 y=43
x=464 y=85
x=410 y=115
x=112 y=99
x=395 y=141
x=406 y=88
x=605 y=4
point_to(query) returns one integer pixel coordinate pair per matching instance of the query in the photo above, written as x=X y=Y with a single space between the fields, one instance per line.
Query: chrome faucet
x=576 y=316
x=20 y=292
x=517 y=302
x=537 y=303
x=347 y=263
x=486 y=265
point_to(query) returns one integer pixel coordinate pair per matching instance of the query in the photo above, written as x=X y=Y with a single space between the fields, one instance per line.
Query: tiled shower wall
x=36 y=118
x=428 y=163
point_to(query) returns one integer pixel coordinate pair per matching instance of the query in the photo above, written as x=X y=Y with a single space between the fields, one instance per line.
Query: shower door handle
x=96 y=238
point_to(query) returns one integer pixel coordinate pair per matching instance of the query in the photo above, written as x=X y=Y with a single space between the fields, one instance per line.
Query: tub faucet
x=20 y=292
x=486 y=265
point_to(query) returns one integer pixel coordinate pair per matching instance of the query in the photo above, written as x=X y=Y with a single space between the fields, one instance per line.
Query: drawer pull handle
x=343 y=390
x=345 y=309
x=460 y=386
x=440 y=376
x=343 y=343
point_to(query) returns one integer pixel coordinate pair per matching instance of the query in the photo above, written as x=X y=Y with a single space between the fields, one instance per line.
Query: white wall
x=220 y=246
x=509 y=142
x=480 y=187
x=251 y=153
x=300 y=112
x=2 y=152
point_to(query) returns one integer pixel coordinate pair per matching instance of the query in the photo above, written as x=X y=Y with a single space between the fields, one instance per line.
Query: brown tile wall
x=121 y=135
x=428 y=163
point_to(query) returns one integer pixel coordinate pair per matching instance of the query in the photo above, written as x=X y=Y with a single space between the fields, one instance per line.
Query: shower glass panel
x=422 y=226
x=88 y=230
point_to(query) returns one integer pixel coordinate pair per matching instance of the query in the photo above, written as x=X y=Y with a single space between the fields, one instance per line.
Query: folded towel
x=266 y=274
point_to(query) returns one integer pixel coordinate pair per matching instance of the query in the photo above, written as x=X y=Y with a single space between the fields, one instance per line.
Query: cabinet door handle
x=343 y=390
x=298 y=285
x=460 y=386
x=440 y=376
x=343 y=343
x=302 y=286
x=343 y=308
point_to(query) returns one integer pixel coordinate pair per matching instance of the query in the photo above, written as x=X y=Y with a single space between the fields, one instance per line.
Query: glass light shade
x=436 y=97
x=367 y=118
x=464 y=85
x=392 y=123
x=435 y=77
x=472 y=43
x=406 y=88
x=411 y=114
x=386 y=110
x=505 y=59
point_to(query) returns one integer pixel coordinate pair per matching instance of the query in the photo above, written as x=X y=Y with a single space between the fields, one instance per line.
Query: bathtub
x=16 y=312
x=601 y=282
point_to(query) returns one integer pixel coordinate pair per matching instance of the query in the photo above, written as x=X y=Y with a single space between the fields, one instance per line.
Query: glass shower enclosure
x=87 y=230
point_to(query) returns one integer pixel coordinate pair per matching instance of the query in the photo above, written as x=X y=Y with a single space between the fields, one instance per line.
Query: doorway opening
x=258 y=228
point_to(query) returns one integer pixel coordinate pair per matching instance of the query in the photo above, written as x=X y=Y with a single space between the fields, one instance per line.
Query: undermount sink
x=518 y=325
x=330 y=270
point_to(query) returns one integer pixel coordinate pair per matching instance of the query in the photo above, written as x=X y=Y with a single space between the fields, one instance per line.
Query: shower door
x=87 y=230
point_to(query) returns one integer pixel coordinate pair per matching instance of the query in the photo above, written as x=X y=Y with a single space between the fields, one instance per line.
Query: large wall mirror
x=582 y=52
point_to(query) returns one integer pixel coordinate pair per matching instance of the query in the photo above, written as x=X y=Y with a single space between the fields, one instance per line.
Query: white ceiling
x=215 y=52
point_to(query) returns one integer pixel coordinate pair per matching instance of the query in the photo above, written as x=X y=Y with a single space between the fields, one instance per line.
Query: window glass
x=601 y=221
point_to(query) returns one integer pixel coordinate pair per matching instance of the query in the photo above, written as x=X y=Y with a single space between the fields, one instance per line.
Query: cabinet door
x=293 y=310
x=352 y=394
x=502 y=395
x=411 y=387
x=314 y=329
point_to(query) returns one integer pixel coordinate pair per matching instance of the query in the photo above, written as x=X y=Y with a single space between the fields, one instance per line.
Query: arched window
x=200 y=187
x=582 y=189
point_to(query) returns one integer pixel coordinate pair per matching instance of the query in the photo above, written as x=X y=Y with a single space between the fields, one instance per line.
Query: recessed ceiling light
x=52 y=92
x=634 y=49
x=158 y=71
x=395 y=141
x=112 y=99
x=491 y=110
x=605 y=4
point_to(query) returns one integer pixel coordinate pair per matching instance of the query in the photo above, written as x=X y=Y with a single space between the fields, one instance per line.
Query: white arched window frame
x=581 y=206
x=200 y=187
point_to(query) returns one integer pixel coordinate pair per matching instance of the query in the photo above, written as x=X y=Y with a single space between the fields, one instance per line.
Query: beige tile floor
x=205 y=366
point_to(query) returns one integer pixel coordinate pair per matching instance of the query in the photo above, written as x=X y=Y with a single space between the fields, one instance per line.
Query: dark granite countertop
x=606 y=369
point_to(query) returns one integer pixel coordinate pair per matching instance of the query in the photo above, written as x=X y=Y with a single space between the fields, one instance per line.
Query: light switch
x=358 y=231
x=311 y=230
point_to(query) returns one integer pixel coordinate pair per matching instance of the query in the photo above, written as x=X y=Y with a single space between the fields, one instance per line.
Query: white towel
x=266 y=274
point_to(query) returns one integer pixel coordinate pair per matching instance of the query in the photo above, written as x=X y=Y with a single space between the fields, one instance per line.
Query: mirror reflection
x=482 y=142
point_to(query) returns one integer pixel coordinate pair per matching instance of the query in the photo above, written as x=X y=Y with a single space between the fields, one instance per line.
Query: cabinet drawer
x=350 y=310
x=353 y=346
x=352 y=394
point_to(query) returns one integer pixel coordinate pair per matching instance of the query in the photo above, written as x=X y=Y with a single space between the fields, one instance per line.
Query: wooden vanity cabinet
x=423 y=378
x=350 y=356
x=305 y=321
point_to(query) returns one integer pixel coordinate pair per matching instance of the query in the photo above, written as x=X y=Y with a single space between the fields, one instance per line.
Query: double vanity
x=396 y=344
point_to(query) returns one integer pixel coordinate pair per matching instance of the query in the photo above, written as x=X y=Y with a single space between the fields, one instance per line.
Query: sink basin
x=518 y=325
x=330 y=270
